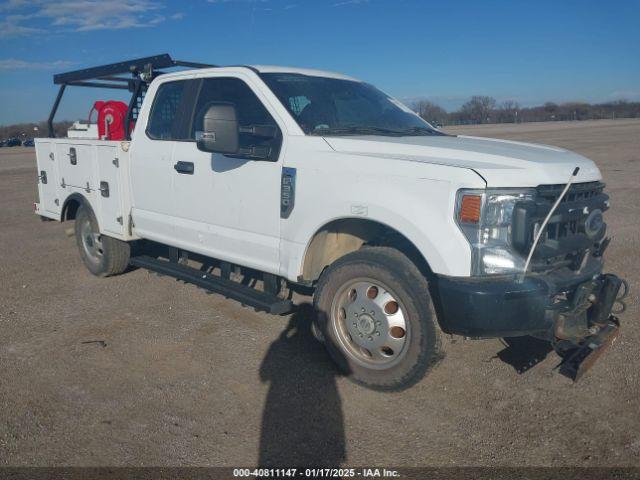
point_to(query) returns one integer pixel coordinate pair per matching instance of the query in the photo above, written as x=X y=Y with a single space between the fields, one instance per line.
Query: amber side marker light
x=470 y=209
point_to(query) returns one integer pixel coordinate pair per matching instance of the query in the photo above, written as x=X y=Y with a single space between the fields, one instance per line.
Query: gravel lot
x=143 y=370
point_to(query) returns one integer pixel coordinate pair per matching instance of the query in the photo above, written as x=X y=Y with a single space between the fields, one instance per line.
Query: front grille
x=579 y=194
x=557 y=231
x=565 y=233
x=576 y=193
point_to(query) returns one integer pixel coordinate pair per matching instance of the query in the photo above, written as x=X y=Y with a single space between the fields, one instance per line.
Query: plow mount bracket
x=579 y=361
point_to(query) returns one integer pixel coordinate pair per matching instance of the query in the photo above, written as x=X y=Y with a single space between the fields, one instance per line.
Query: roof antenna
x=544 y=224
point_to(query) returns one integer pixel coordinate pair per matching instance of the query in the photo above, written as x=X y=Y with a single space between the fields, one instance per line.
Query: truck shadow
x=524 y=353
x=302 y=422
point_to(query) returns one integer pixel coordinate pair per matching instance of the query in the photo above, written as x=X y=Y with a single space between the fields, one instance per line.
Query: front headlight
x=484 y=216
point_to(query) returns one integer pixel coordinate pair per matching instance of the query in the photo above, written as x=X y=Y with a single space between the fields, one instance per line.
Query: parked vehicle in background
x=303 y=180
x=13 y=142
x=29 y=143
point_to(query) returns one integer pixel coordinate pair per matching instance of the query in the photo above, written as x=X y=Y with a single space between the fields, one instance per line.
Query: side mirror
x=219 y=129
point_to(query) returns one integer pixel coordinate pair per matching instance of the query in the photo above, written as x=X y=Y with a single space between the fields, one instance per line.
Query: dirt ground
x=142 y=370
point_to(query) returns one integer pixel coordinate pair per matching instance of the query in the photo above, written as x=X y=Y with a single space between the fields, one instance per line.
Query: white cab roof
x=261 y=69
x=302 y=71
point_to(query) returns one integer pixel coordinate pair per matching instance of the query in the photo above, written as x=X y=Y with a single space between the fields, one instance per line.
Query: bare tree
x=430 y=111
x=551 y=109
x=507 y=112
x=479 y=108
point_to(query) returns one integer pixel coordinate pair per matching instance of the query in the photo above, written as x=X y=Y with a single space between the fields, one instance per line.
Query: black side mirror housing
x=219 y=129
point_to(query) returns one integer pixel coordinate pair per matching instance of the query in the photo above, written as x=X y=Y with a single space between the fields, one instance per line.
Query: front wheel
x=377 y=318
x=102 y=255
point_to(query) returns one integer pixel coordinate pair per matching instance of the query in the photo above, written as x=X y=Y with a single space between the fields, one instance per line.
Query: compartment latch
x=104 y=189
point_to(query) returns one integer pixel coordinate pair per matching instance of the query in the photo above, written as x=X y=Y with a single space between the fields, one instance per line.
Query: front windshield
x=332 y=106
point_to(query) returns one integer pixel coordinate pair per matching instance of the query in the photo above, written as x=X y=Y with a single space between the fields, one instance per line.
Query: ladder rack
x=132 y=75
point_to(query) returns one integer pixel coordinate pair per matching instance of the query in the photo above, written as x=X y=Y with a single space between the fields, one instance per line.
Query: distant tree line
x=483 y=109
x=479 y=109
x=28 y=130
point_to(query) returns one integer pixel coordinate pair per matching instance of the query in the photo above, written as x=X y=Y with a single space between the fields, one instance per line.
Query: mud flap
x=584 y=357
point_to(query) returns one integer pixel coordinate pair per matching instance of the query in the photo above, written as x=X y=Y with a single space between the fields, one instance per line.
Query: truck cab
x=315 y=181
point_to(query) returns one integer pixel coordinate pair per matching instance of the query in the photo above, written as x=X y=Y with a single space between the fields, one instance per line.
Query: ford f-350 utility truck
x=305 y=179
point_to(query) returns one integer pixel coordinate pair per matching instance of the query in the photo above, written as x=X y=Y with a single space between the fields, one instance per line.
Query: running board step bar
x=213 y=283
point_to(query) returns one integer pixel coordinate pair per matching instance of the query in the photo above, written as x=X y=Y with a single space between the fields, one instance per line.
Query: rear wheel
x=102 y=255
x=377 y=318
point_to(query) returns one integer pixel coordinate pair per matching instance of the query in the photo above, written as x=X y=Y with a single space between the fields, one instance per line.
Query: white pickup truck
x=301 y=180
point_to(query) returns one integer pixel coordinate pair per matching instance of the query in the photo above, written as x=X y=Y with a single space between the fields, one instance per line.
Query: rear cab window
x=171 y=112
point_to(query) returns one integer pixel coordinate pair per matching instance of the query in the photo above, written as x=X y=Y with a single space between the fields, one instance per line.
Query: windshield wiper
x=370 y=130
x=356 y=130
x=421 y=131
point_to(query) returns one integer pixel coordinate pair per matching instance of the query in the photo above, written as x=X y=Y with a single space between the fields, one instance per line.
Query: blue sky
x=528 y=51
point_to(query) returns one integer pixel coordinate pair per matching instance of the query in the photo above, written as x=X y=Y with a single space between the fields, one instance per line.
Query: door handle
x=73 y=157
x=184 y=167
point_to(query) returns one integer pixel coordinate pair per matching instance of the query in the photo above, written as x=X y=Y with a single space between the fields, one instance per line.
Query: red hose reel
x=111 y=119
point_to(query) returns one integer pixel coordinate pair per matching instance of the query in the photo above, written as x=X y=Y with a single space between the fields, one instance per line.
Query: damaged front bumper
x=571 y=310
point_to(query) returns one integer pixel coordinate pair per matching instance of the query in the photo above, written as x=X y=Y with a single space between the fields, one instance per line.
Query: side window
x=250 y=110
x=163 y=120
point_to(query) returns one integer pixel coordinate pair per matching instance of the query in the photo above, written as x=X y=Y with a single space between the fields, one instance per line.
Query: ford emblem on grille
x=593 y=223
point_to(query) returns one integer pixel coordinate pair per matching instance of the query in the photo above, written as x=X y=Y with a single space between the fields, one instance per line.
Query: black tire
x=401 y=281
x=102 y=255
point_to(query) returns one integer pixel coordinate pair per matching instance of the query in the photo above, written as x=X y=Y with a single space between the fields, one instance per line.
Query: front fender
x=421 y=209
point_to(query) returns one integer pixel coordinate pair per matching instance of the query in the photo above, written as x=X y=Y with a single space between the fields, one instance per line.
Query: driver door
x=229 y=206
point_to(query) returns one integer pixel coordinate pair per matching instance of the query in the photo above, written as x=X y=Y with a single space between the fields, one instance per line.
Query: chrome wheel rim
x=91 y=241
x=370 y=323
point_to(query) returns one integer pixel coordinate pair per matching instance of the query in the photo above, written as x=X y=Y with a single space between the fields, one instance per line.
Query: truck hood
x=501 y=163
